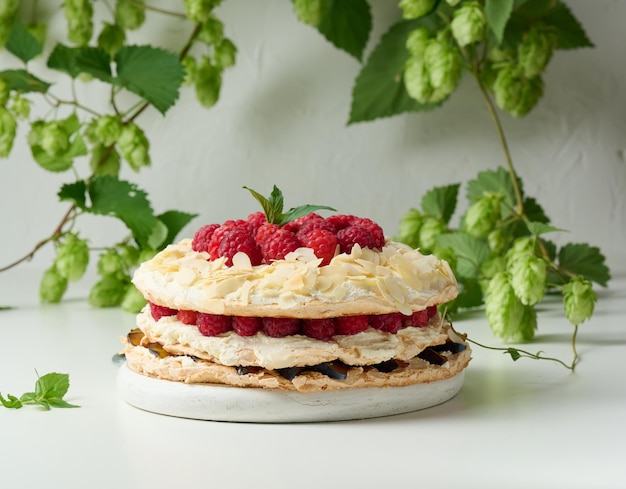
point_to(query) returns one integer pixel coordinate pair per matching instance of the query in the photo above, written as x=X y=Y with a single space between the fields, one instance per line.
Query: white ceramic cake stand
x=225 y=403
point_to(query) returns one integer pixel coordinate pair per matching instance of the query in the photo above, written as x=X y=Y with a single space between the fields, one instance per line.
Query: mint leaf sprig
x=49 y=392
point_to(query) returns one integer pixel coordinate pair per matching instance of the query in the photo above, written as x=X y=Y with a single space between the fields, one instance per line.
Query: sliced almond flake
x=185 y=277
x=244 y=295
x=229 y=285
x=368 y=266
x=241 y=261
x=394 y=289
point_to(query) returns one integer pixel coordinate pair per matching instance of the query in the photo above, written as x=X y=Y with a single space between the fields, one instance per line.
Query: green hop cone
x=8 y=127
x=444 y=66
x=417 y=40
x=110 y=263
x=409 y=228
x=212 y=31
x=134 y=146
x=129 y=254
x=200 y=10
x=309 y=12
x=189 y=65
x=5 y=92
x=225 y=54
x=52 y=286
x=528 y=278
x=130 y=15
x=468 y=24
x=133 y=301
x=514 y=93
x=52 y=138
x=20 y=106
x=508 y=318
x=79 y=14
x=105 y=130
x=497 y=241
x=108 y=292
x=111 y=38
x=72 y=257
x=429 y=231
x=9 y=8
x=414 y=9
x=579 y=300
x=453 y=3
x=482 y=215
x=208 y=82
x=535 y=50
x=417 y=80
x=105 y=161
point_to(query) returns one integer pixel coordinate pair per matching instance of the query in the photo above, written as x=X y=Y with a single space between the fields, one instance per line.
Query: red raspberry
x=213 y=324
x=340 y=221
x=322 y=242
x=220 y=232
x=388 y=323
x=431 y=310
x=186 y=317
x=264 y=233
x=295 y=225
x=279 y=244
x=312 y=225
x=202 y=237
x=320 y=329
x=352 y=235
x=159 y=311
x=351 y=324
x=374 y=229
x=247 y=326
x=280 y=327
x=237 y=240
x=419 y=319
x=257 y=219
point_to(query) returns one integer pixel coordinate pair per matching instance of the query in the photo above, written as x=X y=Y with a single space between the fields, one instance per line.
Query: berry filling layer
x=275 y=327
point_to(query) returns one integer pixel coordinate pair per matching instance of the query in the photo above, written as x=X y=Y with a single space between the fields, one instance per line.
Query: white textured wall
x=282 y=120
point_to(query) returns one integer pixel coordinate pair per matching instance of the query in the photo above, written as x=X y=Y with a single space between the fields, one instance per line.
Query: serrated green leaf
x=470 y=252
x=585 y=260
x=498 y=13
x=22 y=43
x=347 y=25
x=63 y=58
x=22 y=81
x=440 y=202
x=495 y=181
x=152 y=73
x=53 y=383
x=570 y=33
x=175 y=221
x=94 y=61
x=379 y=89
x=74 y=192
x=539 y=228
x=157 y=235
x=118 y=198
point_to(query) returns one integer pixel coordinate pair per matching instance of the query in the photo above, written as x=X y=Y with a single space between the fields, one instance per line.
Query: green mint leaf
x=152 y=73
x=11 y=402
x=52 y=385
x=118 y=198
x=498 y=13
x=379 y=89
x=29 y=397
x=22 y=43
x=585 y=260
x=57 y=402
x=570 y=34
x=494 y=181
x=347 y=25
x=74 y=192
x=272 y=207
x=470 y=252
x=22 y=81
x=174 y=221
x=440 y=202
x=94 y=61
x=300 y=211
x=539 y=228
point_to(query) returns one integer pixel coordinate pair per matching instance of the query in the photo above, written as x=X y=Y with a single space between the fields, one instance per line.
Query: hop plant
x=134 y=146
x=515 y=93
x=132 y=301
x=528 y=278
x=105 y=130
x=5 y=92
x=417 y=41
x=309 y=11
x=208 y=82
x=111 y=38
x=430 y=229
x=417 y=80
x=414 y=9
x=444 y=67
x=508 y=318
x=578 y=300
x=409 y=227
x=72 y=257
x=52 y=286
x=225 y=53
x=482 y=215
x=105 y=161
x=212 y=31
x=8 y=127
x=79 y=14
x=130 y=14
x=200 y=10
x=50 y=136
x=20 y=106
x=108 y=292
x=535 y=50
x=468 y=24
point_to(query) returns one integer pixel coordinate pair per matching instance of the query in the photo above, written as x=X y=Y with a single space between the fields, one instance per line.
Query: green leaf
x=60 y=403
x=570 y=34
x=53 y=383
x=470 y=252
x=585 y=260
x=175 y=221
x=539 y=228
x=302 y=210
x=11 y=402
x=494 y=181
x=379 y=89
x=22 y=43
x=440 y=202
x=470 y=294
x=94 y=61
x=22 y=81
x=515 y=354
x=347 y=25
x=74 y=192
x=63 y=58
x=124 y=200
x=498 y=13
x=152 y=73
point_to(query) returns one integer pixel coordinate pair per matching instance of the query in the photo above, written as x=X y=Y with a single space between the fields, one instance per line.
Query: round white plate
x=225 y=403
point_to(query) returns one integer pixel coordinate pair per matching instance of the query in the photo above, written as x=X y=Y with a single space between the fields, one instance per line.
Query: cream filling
x=366 y=348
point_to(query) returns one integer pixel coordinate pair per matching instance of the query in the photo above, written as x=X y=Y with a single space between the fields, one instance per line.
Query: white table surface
x=514 y=424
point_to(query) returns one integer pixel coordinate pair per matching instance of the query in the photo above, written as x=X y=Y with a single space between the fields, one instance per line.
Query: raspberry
x=202 y=237
x=320 y=329
x=186 y=317
x=213 y=324
x=351 y=324
x=280 y=327
x=374 y=229
x=219 y=233
x=388 y=323
x=419 y=319
x=247 y=326
x=264 y=233
x=257 y=219
x=312 y=225
x=340 y=221
x=159 y=311
x=237 y=240
x=322 y=242
x=352 y=235
x=295 y=225
x=431 y=310
x=279 y=244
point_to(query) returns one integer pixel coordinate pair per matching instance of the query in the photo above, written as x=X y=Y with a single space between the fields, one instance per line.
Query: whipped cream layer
x=365 y=281
x=366 y=348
